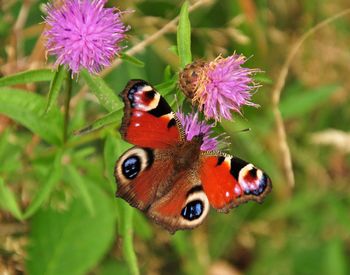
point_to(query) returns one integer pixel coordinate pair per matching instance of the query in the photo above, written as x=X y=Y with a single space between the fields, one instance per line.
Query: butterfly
x=171 y=179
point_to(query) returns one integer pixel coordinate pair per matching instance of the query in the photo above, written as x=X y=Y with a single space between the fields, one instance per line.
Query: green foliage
x=132 y=59
x=105 y=94
x=110 y=118
x=8 y=201
x=52 y=178
x=27 y=77
x=28 y=109
x=299 y=104
x=72 y=241
x=184 y=36
x=55 y=87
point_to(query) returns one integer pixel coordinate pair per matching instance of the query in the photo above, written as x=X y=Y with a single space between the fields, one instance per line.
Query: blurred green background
x=76 y=226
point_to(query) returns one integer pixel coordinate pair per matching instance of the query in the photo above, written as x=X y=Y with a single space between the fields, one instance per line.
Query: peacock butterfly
x=170 y=178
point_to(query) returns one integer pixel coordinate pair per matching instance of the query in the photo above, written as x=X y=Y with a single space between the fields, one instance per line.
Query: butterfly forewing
x=148 y=119
x=229 y=181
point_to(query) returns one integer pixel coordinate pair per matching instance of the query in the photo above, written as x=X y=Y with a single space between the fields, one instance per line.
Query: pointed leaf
x=53 y=177
x=27 y=77
x=127 y=235
x=184 y=36
x=100 y=89
x=167 y=87
x=27 y=109
x=55 y=87
x=8 y=201
x=132 y=59
x=110 y=118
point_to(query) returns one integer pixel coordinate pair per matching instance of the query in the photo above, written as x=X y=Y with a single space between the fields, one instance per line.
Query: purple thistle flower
x=84 y=34
x=220 y=86
x=194 y=127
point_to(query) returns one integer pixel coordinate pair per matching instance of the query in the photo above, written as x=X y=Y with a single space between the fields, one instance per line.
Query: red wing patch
x=148 y=119
x=229 y=181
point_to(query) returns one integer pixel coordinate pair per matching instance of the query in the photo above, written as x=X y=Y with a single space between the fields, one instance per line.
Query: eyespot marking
x=132 y=163
x=150 y=95
x=193 y=210
x=252 y=180
x=131 y=167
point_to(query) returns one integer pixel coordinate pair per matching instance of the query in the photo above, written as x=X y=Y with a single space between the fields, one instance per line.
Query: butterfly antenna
x=243 y=130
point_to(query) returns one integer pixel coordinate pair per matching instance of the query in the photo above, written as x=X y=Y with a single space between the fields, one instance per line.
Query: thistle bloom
x=220 y=86
x=84 y=34
x=193 y=127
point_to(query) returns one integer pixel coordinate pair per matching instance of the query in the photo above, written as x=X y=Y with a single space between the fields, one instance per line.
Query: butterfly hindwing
x=148 y=180
x=229 y=181
x=148 y=119
x=185 y=206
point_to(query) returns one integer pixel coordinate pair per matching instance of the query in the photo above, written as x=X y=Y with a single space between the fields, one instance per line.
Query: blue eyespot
x=193 y=210
x=131 y=167
x=262 y=183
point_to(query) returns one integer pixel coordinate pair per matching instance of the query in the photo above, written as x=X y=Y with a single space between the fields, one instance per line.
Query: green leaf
x=27 y=77
x=113 y=267
x=336 y=261
x=299 y=104
x=142 y=226
x=55 y=87
x=53 y=177
x=182 y=244
x=27 y=109
x=184 y=36
x=71 y=242
x=167 y=73
x=79 y=183
x=167 y=87
x=132 y=59
x=110 y=118
x=105 y=94
x=8 y=201
x=127 y=235
x=264 y=79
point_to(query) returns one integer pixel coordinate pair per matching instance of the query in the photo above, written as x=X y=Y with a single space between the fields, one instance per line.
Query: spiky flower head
x=84 y=34
x=193 y=127
x=220 y=86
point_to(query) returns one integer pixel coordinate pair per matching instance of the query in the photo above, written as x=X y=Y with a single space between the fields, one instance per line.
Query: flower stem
x=127 y=233
x=66 y=106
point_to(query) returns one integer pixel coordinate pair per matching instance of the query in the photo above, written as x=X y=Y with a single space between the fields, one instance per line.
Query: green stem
x=66 y=106
x=128 y=248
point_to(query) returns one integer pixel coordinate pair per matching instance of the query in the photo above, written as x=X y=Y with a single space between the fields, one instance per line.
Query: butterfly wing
x=147 y=180
x=185 y=206
x=145 y=174
x=140 y=174
x=148 y=119
x=229 y=181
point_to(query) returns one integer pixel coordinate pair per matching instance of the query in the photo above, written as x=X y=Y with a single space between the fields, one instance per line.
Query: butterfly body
x=170 y=178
